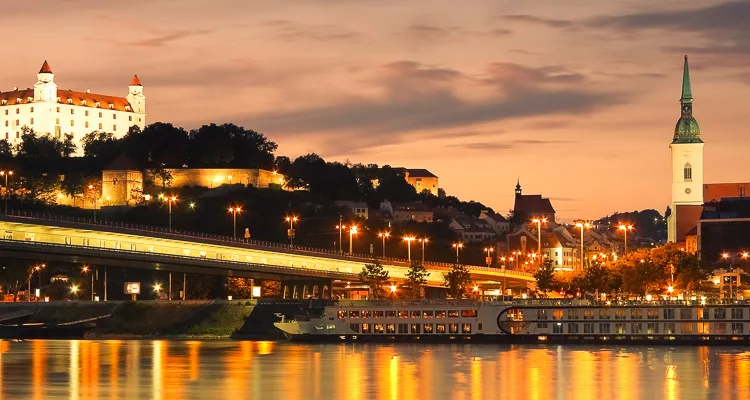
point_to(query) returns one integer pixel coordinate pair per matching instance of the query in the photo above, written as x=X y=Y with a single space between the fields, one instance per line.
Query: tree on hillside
x=375 y=277
x=416 y=278
x=545 y=277
x=6 y=154
x=101 y=148
x=458 y=281
x=15 y=274
x=159 y=144
x=596 y=278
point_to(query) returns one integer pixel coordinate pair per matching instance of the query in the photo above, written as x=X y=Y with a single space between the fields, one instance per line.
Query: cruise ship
x=531 y=321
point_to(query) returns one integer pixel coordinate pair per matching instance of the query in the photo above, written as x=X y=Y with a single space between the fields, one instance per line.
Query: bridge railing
x=138 y=228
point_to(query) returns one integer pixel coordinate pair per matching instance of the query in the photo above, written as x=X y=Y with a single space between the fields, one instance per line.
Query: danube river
x=163 y=369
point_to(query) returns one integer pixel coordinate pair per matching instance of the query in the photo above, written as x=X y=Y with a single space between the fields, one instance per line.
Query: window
x=390 y=314
x=636 y=327
x=354 y=327
x=72 y=111
x=403 y=314
x=58 y=109
x=32 y=110
x=111 y=106
x=557 y=328
x=704 y=328
x=541 y=325
x=72 y=123
x=415 y=328
x=572 y=328
x=415 y=314
x=32 y=121
x=737 y=313
x=86 y=113
x=453 y=328
x=603 y=328
x=378 y=328
x=114 y=128
x=620 y=327
x=620 y=313
x=86 y=124
x=720 y=328
x=452 y=313
x=652 y=313
x=130 y=118
x=541 y=314
x=378 y=314
x=114 y=116
x=341 y=314
x=686 y=327
x=354 y=314
x=669 y=313
x=652 y=328
x=636 y=313
x=588 y=327
x=18 y=122
x=688 y=172
x=364 y=313
x=85 y=242
x=403 y=328
x=439 y=328
x=572 y=314
x=469 y=313
x=720 y=313
x=687 y=313
x=588 y=314
x=427 y=328
x=100 y=125
x=557 y=314
x=70 y=101
x=669 y=328
x=100 y=114
x=466 y=328
x=366 y=328
x=440 y=314
x=737 y=327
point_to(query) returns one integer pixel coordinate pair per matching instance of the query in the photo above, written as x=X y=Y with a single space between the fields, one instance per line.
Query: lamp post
x=408 y=240
x=291 y=219
x=74 y=290
x=7 y=191
x=352 y=232
x=729 y=261
x=502 y=259
x=384 y=236
x=625 y=228
x=457 y=246
x=170 y=199
x=489 y=251
x=670 y=288
x=235 y=210
x=424 y=242
x=538 y=222
x=93 y=199
x=582 y=226
x=85 y=269
x=340 y=227
x=39 y=269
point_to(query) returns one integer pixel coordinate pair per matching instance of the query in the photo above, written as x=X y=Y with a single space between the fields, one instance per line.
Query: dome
x=687 y=131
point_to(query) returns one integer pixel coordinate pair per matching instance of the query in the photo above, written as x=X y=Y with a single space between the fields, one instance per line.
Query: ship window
x=572 y=328
x=688 y=172
x=390 y=314
x=440 y=314
x=738 y=327
x=366 y=328
x=636 y=313
x=439 y=328
x=720 y=313
x=669 y=328
x=365 y=314
x=669 y=313
x=403 y=314
x=572 y=314
x=469 y=313
x=403 y=328
x=378 y=314
x=588 y=314
x=687 y=313
x=354 y=314
x=686 y=327
x=427 y=314
x=737 y=313
x=703 y=327
x=453 y=328
x=341 y=314
x=452 y=313
x=390 y=328
x=636 y=327
x=702 y=313
x=427 y=328
x=414 y=328
x=620 y=327
x=479 y=326
x=652 y=328
x=557 y=328
x=720 y=328
x=541 y=325
x=605 y=313
x=541 y=314
x=603 y=328
x=354 y=327
x=557 y=314
x=653 y=313
x=379 y=328
x=620 y=313
x=415 y=314
x=588 y=327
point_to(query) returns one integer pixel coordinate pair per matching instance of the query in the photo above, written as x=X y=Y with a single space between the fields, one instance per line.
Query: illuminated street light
x=384 y=236
x=408 y=240
x=291 y=219
x=424 y=242
x=393 y=288
x=489 y=251
x=582 y=226
x=235 y=210
x=74 y=290
x=94 y=197
x=341 y=228
x=39 y=268
x=6 y=174
x=352 y=232
x=170 y=199
x=538 y=223
x=192 y=205
x=625 y=228
x=458 y=246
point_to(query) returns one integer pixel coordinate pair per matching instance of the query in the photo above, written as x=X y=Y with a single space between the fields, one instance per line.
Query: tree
x=15 y=275
x=375 y=277
x=458 y=281
x=162 y=177
x=596 y=277
x=159 y=144
x=239 y=288
x=416 y=278
x=545 y=277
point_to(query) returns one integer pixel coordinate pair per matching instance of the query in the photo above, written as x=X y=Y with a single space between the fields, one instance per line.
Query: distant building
x=122 y=183
x=357 y=209
x=404 y=212
x=472 y=229
x=530 y=206
x=723 y=227
x=421 y=179
x=214 y=177
x=559 y=247
x=497 y=222
x=47 y=109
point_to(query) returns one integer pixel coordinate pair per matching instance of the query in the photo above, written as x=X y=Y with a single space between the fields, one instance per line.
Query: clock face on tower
x=687 y=190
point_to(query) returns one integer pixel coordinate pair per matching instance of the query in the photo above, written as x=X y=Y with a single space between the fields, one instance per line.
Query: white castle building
x=47 y=109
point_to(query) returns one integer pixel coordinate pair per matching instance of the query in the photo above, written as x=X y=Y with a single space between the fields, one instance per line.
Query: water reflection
x=167 y=370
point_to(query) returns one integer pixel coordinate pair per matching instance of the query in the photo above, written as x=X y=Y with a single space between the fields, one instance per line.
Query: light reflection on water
x=163 y=370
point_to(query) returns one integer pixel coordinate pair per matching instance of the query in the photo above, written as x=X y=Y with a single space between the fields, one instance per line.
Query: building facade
x=47 y=109
x=422 y=180
x=122 y=183
x=215 y=177
x=357 y=209
x=530 y=206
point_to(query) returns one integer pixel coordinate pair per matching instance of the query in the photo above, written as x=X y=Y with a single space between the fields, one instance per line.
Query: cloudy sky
x=578 y=100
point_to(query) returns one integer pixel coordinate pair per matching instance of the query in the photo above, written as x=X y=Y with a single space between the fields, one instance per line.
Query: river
x=217 y=370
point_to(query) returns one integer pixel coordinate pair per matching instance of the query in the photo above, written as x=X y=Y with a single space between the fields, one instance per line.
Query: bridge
x=54 y=238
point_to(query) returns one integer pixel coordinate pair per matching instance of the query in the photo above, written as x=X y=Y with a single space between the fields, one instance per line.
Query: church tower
x=135 y=95
x=687 y=158
x=45 y=89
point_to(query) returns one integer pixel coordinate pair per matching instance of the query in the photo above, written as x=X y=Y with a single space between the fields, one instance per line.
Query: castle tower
x=687 y=158
x=135 y=96
x=45 y=89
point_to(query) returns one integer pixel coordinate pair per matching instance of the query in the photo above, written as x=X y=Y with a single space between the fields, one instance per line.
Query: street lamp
x=235 y=210
x=93 y=199
x=352 y=232
x=85 y=269
x=157 y=289
x=504 y=274
x=582 y=226
x=538 y=222
x=625 y=228
x=74 y=290
x=408 y=240
x=291 y=219
x=7 y=192
x=39 y=269
x=170 y=199
x=458 y=246
x=725 y=256
x=489 y=250
x=424 y=242
x=384 y=236
x=340 y=227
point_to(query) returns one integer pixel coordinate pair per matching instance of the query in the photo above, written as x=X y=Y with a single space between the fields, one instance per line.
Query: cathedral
x=689 y=193
x=47 y=109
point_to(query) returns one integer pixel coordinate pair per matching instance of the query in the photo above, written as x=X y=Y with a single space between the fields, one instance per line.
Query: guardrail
x=141 y=229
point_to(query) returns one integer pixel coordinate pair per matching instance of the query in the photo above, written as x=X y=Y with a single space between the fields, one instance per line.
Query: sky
x=577 y=100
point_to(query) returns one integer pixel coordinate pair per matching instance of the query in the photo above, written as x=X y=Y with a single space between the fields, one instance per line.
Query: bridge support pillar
x=306 y=288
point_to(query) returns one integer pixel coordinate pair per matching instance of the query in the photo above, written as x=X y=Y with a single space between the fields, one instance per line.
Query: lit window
x=70 y=101
x=97 y=105
x=32 y=121
x=83 y=103
x=114 y=128
x=32 y=109
x=72 y=123
x=100 y=125
x=58 y=108
x=100 y=114
x=87 y=124
x=111 y=106
x=72 y=111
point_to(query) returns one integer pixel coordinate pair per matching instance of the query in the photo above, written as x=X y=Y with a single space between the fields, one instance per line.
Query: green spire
x=687 y=93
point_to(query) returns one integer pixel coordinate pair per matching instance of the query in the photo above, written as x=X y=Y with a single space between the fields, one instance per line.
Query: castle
x=47 y=109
